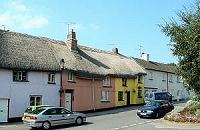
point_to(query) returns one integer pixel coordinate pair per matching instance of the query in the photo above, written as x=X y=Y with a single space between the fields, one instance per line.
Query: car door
x=53 y=116
x=69 y=116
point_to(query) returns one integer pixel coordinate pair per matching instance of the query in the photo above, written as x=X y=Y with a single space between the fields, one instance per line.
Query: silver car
x=51 y=116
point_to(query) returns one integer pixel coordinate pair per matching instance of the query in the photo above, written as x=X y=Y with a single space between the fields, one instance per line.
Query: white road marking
x=132 y=125
x=124 y=126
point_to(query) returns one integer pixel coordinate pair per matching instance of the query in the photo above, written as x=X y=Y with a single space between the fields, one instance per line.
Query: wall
x=19 y=92
x=132 y=87
x=87 y=93
x=160 y=84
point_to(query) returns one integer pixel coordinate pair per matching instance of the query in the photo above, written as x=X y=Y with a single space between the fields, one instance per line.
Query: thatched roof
x=22 y=51
x=151 y=65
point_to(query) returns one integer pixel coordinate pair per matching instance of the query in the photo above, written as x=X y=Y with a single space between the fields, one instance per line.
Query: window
x=164 y=77
x=178 y=79
x=120 y=96
x=124 y=81
x=139 y=92
x=104 y=96
x=35 y=100
x=70 y=76
x=106 y=81
x=51 y=78
x=140 y=79
x=171 y=78
x=150 y=75
x=20 y=76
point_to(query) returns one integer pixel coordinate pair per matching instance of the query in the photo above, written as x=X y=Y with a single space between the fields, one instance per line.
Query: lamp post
x=62 y=63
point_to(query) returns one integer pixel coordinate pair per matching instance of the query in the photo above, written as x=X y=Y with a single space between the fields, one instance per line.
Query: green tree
x=184 y=35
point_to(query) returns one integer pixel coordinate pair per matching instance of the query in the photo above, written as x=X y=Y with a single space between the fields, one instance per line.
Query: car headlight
x=149 y=111
x=139 y=111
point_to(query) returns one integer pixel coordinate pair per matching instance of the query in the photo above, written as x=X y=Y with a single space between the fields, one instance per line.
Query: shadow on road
x=67 y=126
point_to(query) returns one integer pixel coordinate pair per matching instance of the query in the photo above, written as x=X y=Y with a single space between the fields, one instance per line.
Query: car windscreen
x=152 y=103
x=37 y=111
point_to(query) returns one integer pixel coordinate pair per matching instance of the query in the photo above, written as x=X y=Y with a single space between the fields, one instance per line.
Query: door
x=68 y=101
x=128 y=98
x=3 y=110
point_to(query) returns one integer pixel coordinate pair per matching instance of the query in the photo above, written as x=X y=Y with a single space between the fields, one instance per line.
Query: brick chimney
x=145 y=56
x=71 y=40
x=115 y=50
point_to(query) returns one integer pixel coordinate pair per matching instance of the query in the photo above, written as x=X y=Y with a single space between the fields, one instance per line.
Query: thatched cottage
x=38 y=70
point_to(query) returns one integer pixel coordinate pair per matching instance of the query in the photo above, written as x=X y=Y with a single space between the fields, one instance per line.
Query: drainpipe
x=61 y=81
x=93 y=94
x=61 y=88
x=167 y=83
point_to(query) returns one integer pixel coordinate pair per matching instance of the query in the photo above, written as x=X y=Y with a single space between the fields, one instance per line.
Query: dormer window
x=106 y=81
x=20 y=76
x=70 y=76
x=51 y=78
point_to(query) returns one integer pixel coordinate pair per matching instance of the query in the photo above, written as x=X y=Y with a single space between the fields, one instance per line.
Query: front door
x=68 y=100
x=3 y=110
x=128 y=98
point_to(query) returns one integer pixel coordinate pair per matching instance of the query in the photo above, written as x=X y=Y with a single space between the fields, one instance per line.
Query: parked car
x=45 y=117
x=155 y=109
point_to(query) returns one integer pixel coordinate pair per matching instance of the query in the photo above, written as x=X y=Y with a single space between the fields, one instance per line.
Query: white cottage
x=29 y=74
x=162 y=78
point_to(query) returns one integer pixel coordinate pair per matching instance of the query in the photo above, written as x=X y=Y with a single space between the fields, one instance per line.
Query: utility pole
x=70 y=26
x=140 y=49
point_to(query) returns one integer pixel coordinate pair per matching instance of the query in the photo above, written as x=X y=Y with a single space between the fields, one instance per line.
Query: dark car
x=155 y=109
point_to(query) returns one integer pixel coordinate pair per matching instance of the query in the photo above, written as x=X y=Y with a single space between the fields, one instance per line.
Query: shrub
x=196 y=98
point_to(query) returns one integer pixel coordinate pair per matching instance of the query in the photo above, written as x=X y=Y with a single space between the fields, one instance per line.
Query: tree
x=185 y=44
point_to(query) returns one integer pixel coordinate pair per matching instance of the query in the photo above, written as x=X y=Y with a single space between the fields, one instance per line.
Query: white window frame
x=51 y=78
x=70 y=76
x=105 y=95
x=171 y=78
x=107 y=81
x=150 y=75
x=35 y=100
x=19 y=76
x=163 y=77
x=178 y=79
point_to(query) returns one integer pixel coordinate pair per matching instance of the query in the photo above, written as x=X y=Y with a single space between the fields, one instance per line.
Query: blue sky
x=103 y=24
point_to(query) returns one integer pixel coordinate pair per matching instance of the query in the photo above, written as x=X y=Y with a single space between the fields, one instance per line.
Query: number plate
x=143 y=114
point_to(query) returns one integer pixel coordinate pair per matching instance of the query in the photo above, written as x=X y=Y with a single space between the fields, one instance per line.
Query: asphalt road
x=120 y=119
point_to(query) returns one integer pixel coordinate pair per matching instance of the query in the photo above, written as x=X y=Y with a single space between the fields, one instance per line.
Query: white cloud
x=19 y=16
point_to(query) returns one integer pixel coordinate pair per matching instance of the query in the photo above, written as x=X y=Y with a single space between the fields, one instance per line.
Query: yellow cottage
x=129 y=91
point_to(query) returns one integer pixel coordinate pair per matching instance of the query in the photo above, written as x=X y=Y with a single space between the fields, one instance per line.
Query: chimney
x=145 y=56
x=115 y=50
x=71 y=40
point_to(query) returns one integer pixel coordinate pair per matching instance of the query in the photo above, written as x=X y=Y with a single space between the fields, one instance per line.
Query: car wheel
x=79 y=121
x=46 y=125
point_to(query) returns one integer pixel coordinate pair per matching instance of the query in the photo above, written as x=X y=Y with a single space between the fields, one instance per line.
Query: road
x=120 y=119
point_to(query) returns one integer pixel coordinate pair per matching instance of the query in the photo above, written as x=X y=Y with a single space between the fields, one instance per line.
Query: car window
x=50 y=112
x=37 y=111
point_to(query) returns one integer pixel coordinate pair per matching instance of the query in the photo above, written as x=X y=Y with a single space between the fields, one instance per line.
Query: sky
x=129 y=25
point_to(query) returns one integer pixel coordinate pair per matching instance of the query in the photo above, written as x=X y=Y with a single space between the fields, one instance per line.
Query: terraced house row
x=38 y=70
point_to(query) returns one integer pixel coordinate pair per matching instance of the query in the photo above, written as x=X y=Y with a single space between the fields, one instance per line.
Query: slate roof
x=22 y=51
x=151 y=65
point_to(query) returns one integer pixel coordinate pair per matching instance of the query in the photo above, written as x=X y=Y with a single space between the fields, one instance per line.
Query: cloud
x=19 y=16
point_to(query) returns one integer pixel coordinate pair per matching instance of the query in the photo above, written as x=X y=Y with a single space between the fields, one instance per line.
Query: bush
x=196 y=98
